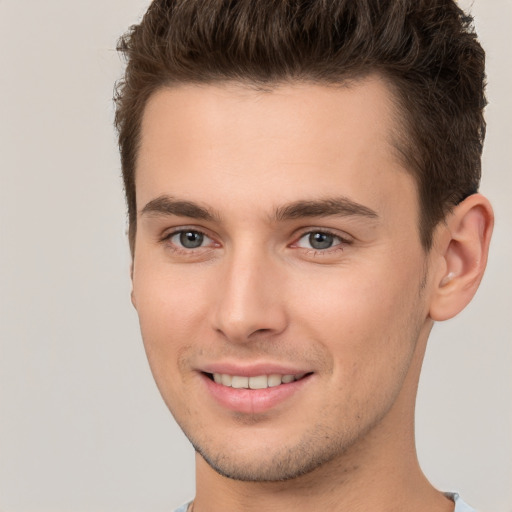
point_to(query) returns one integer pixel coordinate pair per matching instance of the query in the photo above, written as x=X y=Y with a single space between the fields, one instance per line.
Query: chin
x=280 y=468
x=272 y=464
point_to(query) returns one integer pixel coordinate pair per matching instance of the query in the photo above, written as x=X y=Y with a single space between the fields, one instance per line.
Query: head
x=426 y=51
x=300 y=179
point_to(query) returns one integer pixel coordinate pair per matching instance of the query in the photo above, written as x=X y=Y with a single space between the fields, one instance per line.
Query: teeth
x=258 y=382
x=226 y=379
x=273 y=380
x=239 y=382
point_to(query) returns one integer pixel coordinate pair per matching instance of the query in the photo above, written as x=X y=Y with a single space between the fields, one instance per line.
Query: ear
x=132 y=294
x=461 y=248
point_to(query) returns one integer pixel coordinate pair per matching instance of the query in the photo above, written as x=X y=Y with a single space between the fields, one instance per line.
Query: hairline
x=399 y=138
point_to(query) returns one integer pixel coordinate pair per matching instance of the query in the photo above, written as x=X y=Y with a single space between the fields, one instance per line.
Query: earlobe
x=463 y=248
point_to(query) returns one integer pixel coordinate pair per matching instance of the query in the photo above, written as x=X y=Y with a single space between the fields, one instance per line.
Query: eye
x=319 y=240
x=189 y=239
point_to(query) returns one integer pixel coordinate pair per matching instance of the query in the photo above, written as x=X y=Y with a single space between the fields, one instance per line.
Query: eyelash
x=167 y=239
x=340 y=246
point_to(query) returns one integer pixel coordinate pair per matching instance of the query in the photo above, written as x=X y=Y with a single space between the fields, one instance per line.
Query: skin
x=227 y=161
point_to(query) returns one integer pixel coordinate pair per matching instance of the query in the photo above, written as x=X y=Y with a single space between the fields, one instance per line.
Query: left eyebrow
x=166 y=206
x=337 y=206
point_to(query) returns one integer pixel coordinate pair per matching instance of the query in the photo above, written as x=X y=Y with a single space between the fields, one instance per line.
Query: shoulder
x=183 y=508
x=460 y=505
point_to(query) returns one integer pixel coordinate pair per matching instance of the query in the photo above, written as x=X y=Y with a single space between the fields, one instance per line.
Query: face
x=278 y=272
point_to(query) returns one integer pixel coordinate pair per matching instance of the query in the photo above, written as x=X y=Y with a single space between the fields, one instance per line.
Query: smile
x=258 y=391
x=256 y=382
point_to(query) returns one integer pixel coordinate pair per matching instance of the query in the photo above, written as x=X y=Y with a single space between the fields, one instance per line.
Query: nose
x=251 y=298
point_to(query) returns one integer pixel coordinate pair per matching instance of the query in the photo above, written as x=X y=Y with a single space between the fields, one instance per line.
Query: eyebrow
x=336 y=206
x=167 y=205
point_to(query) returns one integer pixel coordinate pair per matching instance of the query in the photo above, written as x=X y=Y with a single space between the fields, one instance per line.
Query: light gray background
x=82 y=427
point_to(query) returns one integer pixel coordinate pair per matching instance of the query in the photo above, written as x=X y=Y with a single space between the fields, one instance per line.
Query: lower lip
x=253 y=401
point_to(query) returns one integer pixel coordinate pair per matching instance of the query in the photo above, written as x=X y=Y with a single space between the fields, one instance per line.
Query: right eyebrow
x=336 y=206
x=166 y=205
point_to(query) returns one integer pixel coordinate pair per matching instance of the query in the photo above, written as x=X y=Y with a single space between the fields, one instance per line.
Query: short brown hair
x=426 y=49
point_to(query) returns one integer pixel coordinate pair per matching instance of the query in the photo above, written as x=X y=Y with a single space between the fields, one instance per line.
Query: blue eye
x=319 y=240
x=189 y=239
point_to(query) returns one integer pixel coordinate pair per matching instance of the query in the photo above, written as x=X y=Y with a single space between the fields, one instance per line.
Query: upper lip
x=253 y=370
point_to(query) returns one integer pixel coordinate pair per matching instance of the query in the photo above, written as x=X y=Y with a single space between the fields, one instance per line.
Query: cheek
x=169 y=311
x=370 y=332
x=168 y=297
x=367 y=320
x=170 y=306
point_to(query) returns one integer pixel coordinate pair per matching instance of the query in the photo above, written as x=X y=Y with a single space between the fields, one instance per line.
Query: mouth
x=254 y=389
x=254 y=382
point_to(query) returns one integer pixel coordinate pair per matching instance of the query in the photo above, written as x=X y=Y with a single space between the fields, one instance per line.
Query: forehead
x=291 y=139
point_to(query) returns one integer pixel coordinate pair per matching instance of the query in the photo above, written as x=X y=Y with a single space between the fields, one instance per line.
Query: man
x=301 y=179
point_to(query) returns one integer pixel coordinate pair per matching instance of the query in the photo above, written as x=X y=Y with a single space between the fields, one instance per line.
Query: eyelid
x=170 y=233
x=344 y=238
x=166 y=236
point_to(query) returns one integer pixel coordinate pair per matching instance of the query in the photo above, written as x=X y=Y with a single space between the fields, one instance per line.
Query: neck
x=379 y=473
x=382 y=483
